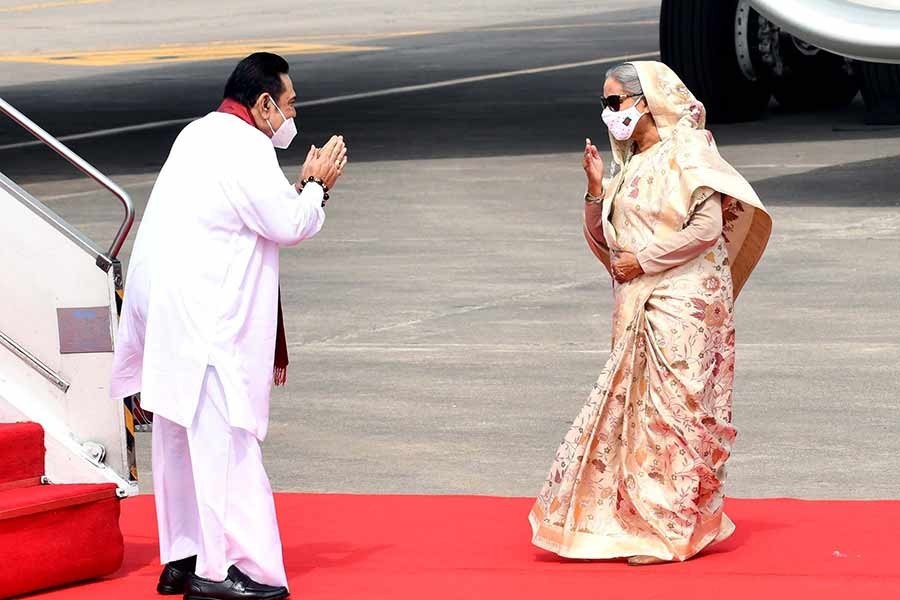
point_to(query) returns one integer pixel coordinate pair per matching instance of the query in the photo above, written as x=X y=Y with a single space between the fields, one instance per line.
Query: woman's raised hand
x=593 y=168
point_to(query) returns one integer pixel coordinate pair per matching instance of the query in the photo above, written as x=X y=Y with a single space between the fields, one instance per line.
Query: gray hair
x=627 y=75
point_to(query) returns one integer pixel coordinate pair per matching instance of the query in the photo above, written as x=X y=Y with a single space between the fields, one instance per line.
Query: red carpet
x=440 y=547
x=50 y=534
x=22 y=449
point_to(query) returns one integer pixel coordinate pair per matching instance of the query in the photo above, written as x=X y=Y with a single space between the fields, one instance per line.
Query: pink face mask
x=621 y=123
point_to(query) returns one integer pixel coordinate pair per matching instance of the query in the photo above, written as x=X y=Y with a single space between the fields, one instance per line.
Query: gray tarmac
x=447 y=324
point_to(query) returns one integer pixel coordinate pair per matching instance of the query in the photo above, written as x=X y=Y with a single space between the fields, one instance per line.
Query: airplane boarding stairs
x=66 y=449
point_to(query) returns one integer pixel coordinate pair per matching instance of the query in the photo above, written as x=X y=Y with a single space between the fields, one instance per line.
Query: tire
x=881 y=91
x=697 y=40
x=821 y=81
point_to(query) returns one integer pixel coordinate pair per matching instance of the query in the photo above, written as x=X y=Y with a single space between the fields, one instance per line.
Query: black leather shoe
x=237 y=586
x=175 y=575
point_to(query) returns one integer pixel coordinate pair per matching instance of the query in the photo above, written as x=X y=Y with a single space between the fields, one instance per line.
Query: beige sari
x=641 y=470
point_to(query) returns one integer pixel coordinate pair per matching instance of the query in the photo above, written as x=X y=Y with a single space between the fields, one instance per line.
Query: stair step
x=21 y=453
x=22 y=502
x=53 y=535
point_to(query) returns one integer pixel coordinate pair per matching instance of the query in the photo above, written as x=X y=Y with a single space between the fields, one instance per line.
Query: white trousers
x=213 y=498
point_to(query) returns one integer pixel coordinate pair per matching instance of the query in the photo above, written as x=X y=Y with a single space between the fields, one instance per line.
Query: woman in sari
x=640 y=474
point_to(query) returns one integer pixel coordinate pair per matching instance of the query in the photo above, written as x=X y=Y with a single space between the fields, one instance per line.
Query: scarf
x=232 y=107
x=692 y=166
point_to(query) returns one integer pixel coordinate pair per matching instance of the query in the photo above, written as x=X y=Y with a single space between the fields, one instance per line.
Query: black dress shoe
x=175 y=575
x=237 y=586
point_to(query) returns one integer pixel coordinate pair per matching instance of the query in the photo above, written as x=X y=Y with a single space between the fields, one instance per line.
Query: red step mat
x=22 y=449
x=461 y=548
x=56 y=534
x=26 y=501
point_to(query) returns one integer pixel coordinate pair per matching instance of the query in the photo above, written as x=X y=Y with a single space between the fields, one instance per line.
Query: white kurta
x=202 y=286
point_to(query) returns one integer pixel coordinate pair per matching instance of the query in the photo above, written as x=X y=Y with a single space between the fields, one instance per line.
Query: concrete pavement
x=448 y=323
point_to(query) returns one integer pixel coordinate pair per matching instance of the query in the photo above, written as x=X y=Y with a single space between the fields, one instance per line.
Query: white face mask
x=285 y=134
x=621 y=123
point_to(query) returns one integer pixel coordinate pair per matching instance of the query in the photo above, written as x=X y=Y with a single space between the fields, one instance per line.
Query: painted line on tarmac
x=221 y=49
x=99 y=190
x=784 y=166
x=170 y=54
x=407 y=89
x=515 y=28
x=476 y=79
x=43 y=5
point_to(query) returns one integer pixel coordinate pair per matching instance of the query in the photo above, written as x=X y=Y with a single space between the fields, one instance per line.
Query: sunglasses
x=614 y=103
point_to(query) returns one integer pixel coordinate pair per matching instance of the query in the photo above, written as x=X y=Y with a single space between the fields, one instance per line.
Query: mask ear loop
x=278 y=108
x=644 y=98
x=269 y=123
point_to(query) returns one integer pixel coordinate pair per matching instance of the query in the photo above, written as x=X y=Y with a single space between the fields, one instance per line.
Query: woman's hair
x=627 y=75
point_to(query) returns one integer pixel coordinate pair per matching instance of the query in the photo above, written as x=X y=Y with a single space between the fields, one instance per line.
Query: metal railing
x=83 y=166
x=34 y=362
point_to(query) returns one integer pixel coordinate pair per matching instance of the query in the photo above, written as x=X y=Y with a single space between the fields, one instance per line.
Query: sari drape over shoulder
x=641 y=471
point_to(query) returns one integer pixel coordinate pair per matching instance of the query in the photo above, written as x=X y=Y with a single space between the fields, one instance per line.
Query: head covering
x=696 y=163
x=233 y=107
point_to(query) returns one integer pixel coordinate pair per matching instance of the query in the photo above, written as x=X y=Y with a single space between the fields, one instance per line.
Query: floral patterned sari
x=641 y=471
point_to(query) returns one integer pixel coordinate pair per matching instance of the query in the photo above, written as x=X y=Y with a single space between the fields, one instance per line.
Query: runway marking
x=219 y=49
x=359 y=37
x=43 y=5
x=352 y=37
x=568 y=26
x=98 y=190
x=407 y=89
x=786 y=166
x=476 y=79
x=179 y=54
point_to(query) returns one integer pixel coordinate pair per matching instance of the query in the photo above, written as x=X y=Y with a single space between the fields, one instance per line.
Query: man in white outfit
x=199 y=328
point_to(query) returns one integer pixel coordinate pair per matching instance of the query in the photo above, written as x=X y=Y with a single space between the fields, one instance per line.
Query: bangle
x=321 y=184
x=591 y=199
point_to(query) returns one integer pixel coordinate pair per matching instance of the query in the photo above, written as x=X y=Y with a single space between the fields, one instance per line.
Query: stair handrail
x=83 y=166
x=34 y=362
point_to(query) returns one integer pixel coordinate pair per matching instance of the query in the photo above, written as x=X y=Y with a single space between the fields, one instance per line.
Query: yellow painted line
x=43 y=5
x=218 y=50
x=361 y=37
x=177 y=54
x=569 y=26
